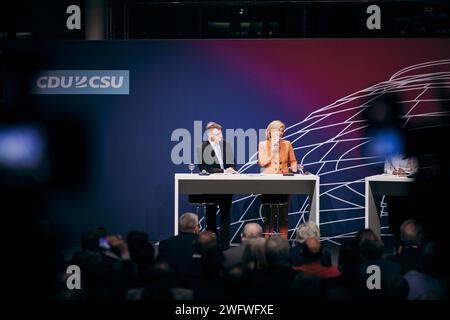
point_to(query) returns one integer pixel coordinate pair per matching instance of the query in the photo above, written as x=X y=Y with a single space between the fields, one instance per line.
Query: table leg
x=372 y=220
x=314 y=214
x=175 y=218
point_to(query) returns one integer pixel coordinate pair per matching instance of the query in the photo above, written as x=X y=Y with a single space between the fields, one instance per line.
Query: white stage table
x=378 y=185
x=248 y=184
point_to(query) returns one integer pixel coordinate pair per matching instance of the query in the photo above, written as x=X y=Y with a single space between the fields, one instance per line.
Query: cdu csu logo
x=81 y=82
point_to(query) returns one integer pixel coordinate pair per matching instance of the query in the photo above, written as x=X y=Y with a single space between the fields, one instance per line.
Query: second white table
x=379 y=185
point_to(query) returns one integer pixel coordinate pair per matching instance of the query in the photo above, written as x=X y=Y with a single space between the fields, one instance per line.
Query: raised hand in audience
x=120 y=245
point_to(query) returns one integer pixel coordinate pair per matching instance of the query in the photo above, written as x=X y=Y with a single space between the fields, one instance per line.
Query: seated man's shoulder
x=182 y=237
x=234 y=250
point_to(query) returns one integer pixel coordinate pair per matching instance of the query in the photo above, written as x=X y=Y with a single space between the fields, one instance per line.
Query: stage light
x=387 y=143
x=21 y=147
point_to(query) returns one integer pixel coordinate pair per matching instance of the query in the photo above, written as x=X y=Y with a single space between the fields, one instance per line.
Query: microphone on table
x=301 y=171
x=290 y=173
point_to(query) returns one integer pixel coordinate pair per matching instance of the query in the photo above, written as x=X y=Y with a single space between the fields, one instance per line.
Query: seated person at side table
x=398 y=165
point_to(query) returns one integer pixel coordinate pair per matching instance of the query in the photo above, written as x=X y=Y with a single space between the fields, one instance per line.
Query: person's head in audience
x=411 y=234
x=211 y=256
x=163 y=273
x=277 y=252
x=189 y=223
x=97 y=273
x=254 y=256
x=141 y=251
x=251 y=230
x=361 y=234
x=205 y=243
x=90 y=239
x=161 y=281
x=349 y=258
x=370 y=244
x=431 y=259
x=136 y=238
x=306 y=230
x=312 y=250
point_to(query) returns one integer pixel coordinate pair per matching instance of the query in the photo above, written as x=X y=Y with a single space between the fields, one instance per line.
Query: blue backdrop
x=317 y=87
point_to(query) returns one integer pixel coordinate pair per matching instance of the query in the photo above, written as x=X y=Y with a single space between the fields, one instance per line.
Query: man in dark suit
x=408 y=256
x=178 y=250
x=216 y=156
x=371 y=248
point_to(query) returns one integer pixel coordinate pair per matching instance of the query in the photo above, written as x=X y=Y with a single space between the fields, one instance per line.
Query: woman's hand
x=229 y=170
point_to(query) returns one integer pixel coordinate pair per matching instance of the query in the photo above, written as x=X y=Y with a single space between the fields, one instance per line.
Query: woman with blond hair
x=276 y=156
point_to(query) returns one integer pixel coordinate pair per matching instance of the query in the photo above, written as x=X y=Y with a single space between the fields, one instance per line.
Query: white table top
x=244 y=176
x=389 y=178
